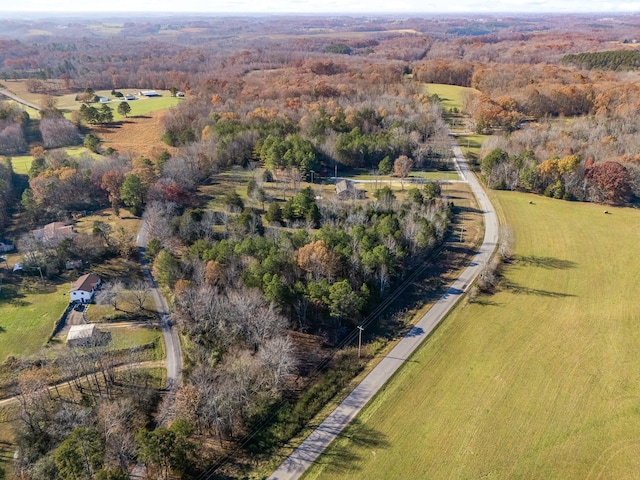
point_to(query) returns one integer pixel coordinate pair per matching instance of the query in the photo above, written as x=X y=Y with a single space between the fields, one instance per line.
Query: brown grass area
x=19 y=88
x=138 y=135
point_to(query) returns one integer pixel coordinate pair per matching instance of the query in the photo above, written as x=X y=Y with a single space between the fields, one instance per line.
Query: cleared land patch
x=28 y=313
x=538 y=381
x=140 y=135
x=451 y=96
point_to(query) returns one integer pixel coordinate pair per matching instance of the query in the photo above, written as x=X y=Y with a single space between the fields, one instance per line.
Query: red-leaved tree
x=613 y=180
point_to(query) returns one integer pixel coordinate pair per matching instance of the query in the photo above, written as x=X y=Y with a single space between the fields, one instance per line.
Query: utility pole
x=360 y=329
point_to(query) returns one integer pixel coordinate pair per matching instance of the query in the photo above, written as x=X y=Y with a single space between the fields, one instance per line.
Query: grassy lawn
x=129 y=337
x=145 y=106
x=538 y=381
x=21 y=164
x=140 y=106
x=27 y=321
x=67 y=102
x=450 y=95
x=130 y=224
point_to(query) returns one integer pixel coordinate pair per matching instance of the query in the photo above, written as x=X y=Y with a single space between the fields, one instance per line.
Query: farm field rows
x=539 y=380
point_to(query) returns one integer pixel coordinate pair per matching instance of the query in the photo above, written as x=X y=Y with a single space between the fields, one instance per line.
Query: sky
x=327 y=6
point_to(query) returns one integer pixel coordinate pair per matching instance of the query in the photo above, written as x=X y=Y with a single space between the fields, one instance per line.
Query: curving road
x=171 y=340
x=301 y=459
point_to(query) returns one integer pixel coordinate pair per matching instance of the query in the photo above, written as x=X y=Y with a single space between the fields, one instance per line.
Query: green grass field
x=22 y=163
x=450 y=95
x=540 y=380
x=129 y=337
x=145 y=106
x=27 y=321
x=141 y=106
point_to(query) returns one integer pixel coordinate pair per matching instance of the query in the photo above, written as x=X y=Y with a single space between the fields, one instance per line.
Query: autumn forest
x=269 y=266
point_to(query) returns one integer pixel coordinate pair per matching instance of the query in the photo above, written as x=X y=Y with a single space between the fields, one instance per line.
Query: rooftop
x=86 y=282
x=79 y=332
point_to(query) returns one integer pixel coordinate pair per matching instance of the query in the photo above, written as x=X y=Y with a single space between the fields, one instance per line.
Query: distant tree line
x=610 y=60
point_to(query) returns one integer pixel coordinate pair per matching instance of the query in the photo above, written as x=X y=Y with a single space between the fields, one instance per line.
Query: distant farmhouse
x=6 y=245
x=84 y=288
x=53 y=233
x=83 y=335
x=346 y=190
x=129 y=96
x=148 y=93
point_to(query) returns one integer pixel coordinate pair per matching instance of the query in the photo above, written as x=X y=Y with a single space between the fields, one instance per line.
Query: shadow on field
x=363 y=441
x=550 y=263
x=11 y=294
x=515 y=288
x=485 y=302
x=469 y=209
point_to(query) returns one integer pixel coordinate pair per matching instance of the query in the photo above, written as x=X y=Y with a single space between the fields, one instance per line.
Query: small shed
x=6 y=245
x=83 y=289
x=83 y=335
x=346 y=190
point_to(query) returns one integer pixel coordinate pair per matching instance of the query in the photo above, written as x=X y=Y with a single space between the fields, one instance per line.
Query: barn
x=83 y=335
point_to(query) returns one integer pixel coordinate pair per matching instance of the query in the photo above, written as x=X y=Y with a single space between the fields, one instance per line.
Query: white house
x=83 y=289
x=83 y=335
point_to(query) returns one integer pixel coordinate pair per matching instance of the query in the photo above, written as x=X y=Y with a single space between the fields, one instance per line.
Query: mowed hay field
x=539 y=381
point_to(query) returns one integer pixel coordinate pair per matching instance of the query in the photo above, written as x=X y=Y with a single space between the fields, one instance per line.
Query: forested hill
x=611 y=60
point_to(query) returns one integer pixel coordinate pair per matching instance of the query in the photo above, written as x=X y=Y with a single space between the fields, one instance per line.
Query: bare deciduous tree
x=138 y=294
x=110 y=293
x=278 y=359
x=402 y=167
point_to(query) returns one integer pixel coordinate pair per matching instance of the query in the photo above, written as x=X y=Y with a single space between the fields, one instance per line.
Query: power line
x=348 y=339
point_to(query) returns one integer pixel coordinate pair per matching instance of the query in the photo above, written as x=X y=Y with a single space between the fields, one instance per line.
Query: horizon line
x=318 y=13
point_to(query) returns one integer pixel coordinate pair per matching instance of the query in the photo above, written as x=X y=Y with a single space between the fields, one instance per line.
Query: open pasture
x=540 y=380
x=28 y=312
x=451 y=96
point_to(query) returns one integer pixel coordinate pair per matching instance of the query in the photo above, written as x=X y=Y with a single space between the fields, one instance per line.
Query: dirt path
x=9 y=401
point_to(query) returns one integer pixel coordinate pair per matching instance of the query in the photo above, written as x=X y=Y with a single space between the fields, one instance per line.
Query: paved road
x=171 y=340
x=19 y=100
x=302 y=458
